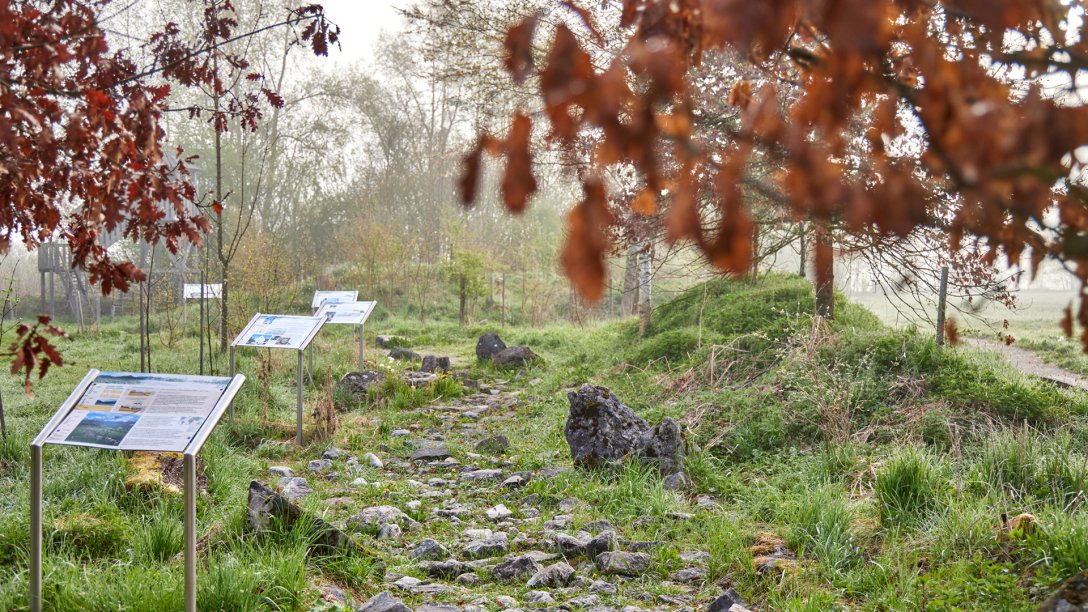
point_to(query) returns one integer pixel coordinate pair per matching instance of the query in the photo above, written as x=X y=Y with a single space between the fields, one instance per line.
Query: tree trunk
x=803 y=252
x=630 y=282
x=464 y=296
x=823 y=259
x=644 y=286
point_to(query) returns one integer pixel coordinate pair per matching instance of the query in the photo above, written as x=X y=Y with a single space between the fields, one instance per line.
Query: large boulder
x=433 y=364
x=601 y=429
x=1072 y=595
x=488 y=346
x=356 y=384
x=266 y=506
x=514 y=357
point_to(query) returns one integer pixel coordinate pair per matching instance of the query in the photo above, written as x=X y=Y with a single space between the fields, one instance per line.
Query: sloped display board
x=278 y=331
x=133 y=411
x=333 y=297
x=191 y=291
x=346 y=313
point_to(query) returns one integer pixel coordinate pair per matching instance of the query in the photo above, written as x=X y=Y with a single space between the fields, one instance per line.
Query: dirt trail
x=1029 y=363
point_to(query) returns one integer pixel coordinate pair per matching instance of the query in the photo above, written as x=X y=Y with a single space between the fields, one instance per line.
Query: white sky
x=361 y=22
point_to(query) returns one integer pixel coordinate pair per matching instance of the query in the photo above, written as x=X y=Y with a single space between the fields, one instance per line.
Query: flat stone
x=373 y=461
x=389 y=531
x=376 y=516
x=491 y=547
x=482 y=475
x=400 y=433
x=727 y=601
x=332 y=453
x=319 y=465
x=688 y=575
x=436 y=452
x=468 y=579
x=446 y=569
x=383 y=602
x=498 y=513
x=280 y=471
x=585 y=601
x=295 y=488
x=623 y=563
x=265 y=506
x=494 y=445
x=539 y=597
x=555 y=575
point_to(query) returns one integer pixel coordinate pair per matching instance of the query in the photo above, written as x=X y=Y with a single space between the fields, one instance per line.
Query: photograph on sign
x=191 y=291
x=333 y=297
x=278 y=331
x=347 y=313
x=132 y=411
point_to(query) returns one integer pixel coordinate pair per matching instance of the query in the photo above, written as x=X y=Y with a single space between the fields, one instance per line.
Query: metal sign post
x=189 y=450
x=280 y=331
x=349 y=313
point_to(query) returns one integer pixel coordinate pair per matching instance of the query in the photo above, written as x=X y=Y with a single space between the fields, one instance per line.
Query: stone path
x=1029 y=363
x=467 y=535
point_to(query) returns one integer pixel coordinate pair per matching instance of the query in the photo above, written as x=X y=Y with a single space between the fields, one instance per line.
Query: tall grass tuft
x=907 y=488
x=820 y=526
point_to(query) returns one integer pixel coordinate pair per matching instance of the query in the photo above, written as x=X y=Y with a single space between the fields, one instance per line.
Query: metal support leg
x=362 y=348
x=35 y=528
x=190 y=532
x=310 y=372
x=298 y=426
x=232 y=376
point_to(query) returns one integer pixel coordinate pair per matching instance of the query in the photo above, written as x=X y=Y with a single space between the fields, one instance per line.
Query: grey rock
x=539 y=597
x=585 y=601
x=376 y=516
x=506 y=602
x=555 y=575
x=403 y=354
x=332 y=453
x=482 y=475
x=266 y=506
x=400 y=433
x=675 y=482
x=518 y=480
x=599 y=526
x=1071 y=596
x=356 y=384
x=446 y=569
x=383 y=602
x=319 y=465
x=295 y=488
x=430 y=550
x=601 y=586
x=601 y=429
x=373 y=461
x=726 y=602
x=280 y=471
x=495 y=445
x=623 y=563
x=468 y=579
x=514 y=357
x=488 y=346
x=568 y=546
x=489 y=547
x=431 y=452
x=418 y=379
x=433 y=607
x=389 y=531
x=688 y=575
x=517 y=567
x=433 y=364
x=602 y=542
x=498 y=513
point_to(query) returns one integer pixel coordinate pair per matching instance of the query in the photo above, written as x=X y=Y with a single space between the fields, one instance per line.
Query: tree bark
x=630 y=282
x=824 y=261
x=645 y=268
x=461 y=312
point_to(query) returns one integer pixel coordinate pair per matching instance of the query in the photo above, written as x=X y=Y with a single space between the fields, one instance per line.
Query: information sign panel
x=333 y=297
x=191 y=291
x=278 y=331
x=346 y=313
x=132 y=411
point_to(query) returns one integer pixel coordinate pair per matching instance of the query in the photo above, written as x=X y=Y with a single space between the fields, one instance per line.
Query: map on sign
x=132 y=411
x=278 y=331
x=191 y=291
x=333 y=297
x=347 y=313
